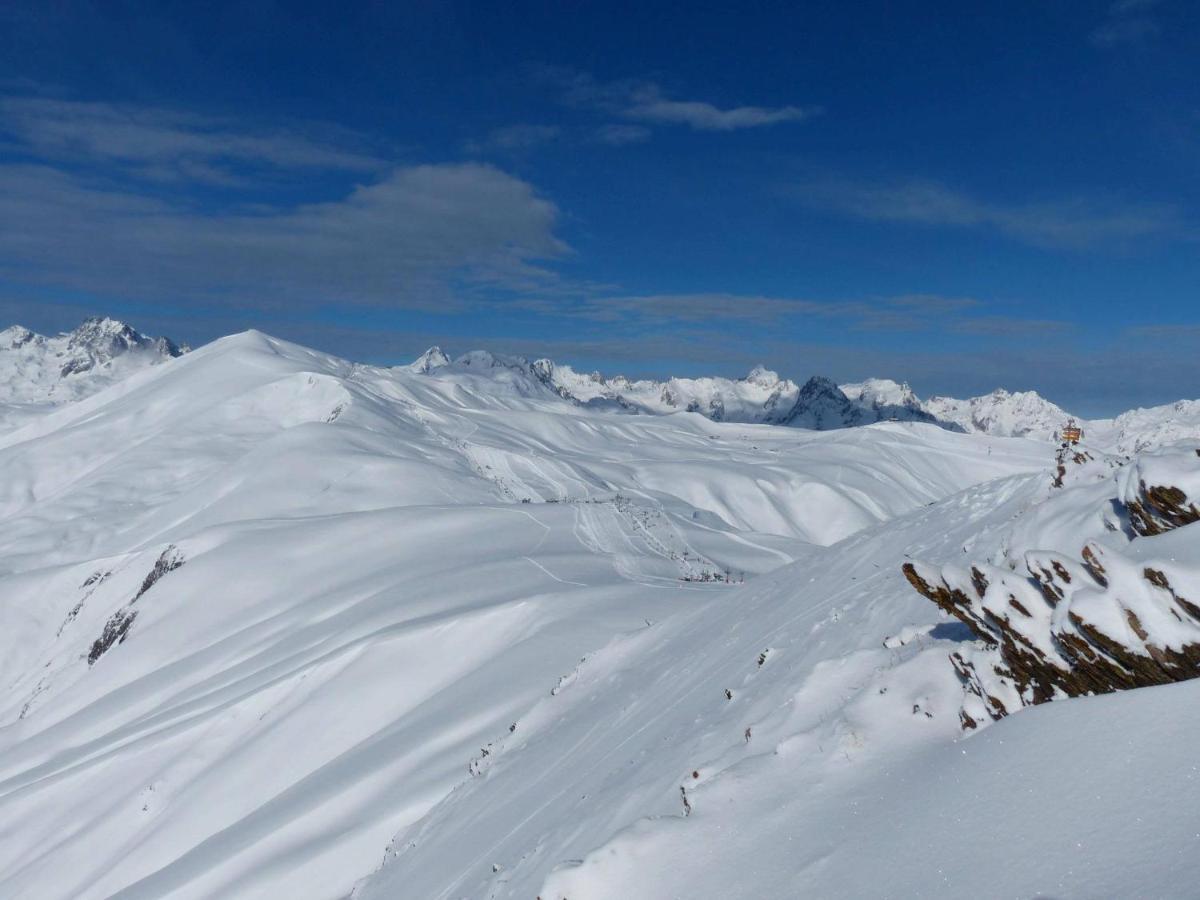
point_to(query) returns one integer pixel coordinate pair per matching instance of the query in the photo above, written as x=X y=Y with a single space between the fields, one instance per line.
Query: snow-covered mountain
x=38 y=372
x=273 y=623
x=762 y=397
x=1017 y=414
x=1144 y=429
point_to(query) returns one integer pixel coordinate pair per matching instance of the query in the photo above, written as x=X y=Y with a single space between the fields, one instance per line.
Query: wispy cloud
x=702 y=308
x=1184 y=331
x=1071 y=223
x=707 y=312
x=516 y=138
x=167 y=143
x=1011 y=326
x=1127 y=22
x=933 y=304
x=620 y=133
x=647 y=102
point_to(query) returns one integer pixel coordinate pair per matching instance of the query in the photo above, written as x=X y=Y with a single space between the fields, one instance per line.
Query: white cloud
x=649 y=105
x=412 y=239
x=167 y=143
x=646 y=101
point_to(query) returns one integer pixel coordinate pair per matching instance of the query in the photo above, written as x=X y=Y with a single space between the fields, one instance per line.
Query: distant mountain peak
x=431 y=359
x=760 y=374
x=1002 y=412
x=16 y=336
x=100 y=339
x=37 y=370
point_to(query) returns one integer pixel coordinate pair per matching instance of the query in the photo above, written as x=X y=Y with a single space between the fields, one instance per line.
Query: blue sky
x=958 y=195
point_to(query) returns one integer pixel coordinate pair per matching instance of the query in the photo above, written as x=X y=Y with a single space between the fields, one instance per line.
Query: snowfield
x=276 y=624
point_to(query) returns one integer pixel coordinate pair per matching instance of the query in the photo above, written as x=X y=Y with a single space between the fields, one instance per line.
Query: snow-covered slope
x=260 y=608
x=800 y=743
x=803 y=738
x=38 y=372
x=276 y=624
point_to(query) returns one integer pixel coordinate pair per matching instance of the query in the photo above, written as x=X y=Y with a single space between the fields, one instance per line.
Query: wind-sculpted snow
x=261 y=609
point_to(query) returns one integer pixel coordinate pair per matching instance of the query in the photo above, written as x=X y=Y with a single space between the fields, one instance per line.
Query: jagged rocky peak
x=821 y=405
x=99 y=340
x=17 y=336
x=543 y=369
x=819 y=385
x=431 y=359
x=763 y=377
x=881 y=392
x=36 y=369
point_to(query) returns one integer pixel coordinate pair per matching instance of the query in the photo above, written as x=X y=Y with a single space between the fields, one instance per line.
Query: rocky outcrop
x=1116 y=617
x=116 y=629
x=1162 y=493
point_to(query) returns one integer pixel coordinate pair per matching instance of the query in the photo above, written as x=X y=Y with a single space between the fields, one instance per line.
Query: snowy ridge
x=39 y=372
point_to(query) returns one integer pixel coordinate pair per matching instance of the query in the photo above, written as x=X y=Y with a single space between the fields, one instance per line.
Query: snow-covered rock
x=1115 y=615
x=1018 y=414
x=886 y=396
x=431 y=359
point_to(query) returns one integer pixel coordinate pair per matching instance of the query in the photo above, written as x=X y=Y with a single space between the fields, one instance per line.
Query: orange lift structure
x=1070 y=433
